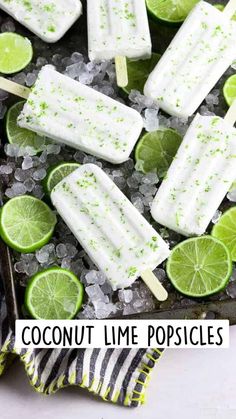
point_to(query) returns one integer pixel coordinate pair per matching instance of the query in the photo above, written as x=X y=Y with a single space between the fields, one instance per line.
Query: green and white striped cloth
x=117 y=375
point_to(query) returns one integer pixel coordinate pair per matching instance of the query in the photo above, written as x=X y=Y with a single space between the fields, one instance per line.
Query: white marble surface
x=188 y=384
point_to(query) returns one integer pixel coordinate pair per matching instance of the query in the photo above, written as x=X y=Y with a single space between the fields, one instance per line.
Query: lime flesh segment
x=21 y=136
x=200 y=266
x=26 y=223
x=138 y=72
x=170 y=10
x=57 y=173
x=225 y=230
x=16 y=52
x=156 y=150
x=55 y=293
x=229 y=90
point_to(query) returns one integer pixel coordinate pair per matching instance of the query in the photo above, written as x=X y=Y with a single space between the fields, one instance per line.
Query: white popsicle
x=200 y=175
x=200 y=53
x=79 y=116
x=49 y=20
x=118 y=28
x=115 y=235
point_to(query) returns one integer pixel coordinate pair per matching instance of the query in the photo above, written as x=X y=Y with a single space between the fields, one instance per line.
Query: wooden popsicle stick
x=154 y=285
x=14 y=88
x=230 y=8
x=230 y=116
x=121 y=71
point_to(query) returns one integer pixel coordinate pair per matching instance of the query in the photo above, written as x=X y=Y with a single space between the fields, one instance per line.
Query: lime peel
x=26 y=223
x=16 y=52
x=225 y=230
x=54 y=293
x=156 y=150
x=57 y=173
x=200 y=266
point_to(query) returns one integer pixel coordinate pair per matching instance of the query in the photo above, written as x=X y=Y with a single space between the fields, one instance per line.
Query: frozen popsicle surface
x=200 y=53
x=48 y=19
x=114 y=234
x=118 y=28
x=198 y=178
x=79 y=116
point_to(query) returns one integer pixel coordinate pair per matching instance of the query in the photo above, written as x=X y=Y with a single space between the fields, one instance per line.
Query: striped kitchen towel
x=117 y=375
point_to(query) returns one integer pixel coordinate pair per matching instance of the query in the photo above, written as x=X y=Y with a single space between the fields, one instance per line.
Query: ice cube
x=95 y=277
x=232 y=195
x=61 y=251
x=42 y=256
x=6 y=169
x=39 y=174
x=216 y=217
x=151 y=122
x=125 y=296
x=29 y=184
x=27 y=163
x=95 y=293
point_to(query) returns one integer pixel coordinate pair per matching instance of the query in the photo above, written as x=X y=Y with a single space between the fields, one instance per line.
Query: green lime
x=221 y=8
x=21 y=136
x=16 y=52
x=170 y=11
x=55 y=293
x=57 y=173
x=225 y=230
x=138 y=72
x=156 y=150
x=199 y=266
x=26 y=223
x=229 y=90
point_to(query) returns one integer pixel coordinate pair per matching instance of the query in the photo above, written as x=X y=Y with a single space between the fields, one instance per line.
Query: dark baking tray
x=76 y=39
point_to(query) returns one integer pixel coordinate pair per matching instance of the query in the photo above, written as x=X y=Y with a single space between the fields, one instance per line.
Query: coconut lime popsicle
x=200 y=175
x=114 y=234
x=74 y=114
x=200 y=53
x=48 y=19
x=118 y=29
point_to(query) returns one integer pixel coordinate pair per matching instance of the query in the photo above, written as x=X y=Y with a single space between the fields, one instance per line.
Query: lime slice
x=200 y=266
x=170 y=11
x=221 y=8
x=21 y=136
x=229 y=90
x=138 y=72
x=225 y=230
x=26 y=223
x=55 y=293
x=57 y=173
x=156 y=150
x=16 y=52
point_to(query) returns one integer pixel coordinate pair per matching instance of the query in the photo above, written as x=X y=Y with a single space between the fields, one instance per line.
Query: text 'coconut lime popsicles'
x=118 y=29
x=200 y=175
x=79 y=116
x=115 y=235
x=200 y=53
x=48 y=19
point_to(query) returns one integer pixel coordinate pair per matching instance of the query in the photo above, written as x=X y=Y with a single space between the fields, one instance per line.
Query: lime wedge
x=229 y=90
x=26 y=223
x=156 y=150
x=16 y=52
x=170 y=11
x=21 y=136
x=57 y=173
x=54 y=294
x=225 y=230
x=200 y=266
x=221 y=8
x=138 y=72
